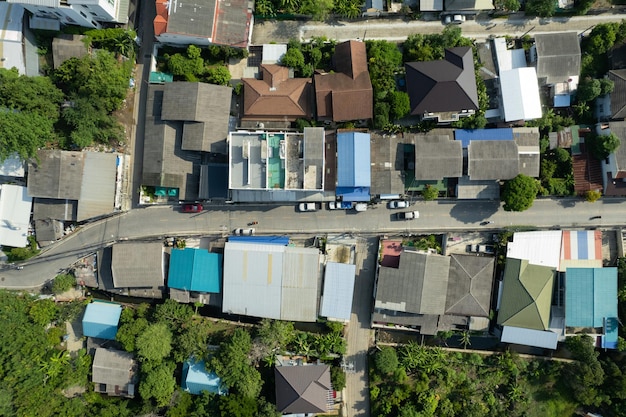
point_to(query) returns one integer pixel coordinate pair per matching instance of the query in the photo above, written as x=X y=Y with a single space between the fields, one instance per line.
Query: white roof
x=431 y=5
x=520 y=94
x=273 y=53
x=13 y=166
x=529 y=337
x=273 y=281
x=11 y=36
x=508 y=59
x=338 y=291
x=15 y=208
x=538 y=248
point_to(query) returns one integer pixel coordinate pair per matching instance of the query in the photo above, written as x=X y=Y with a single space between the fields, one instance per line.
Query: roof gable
x=444 y=85
x=526 y=296
x=302 y=389
x=469 y=285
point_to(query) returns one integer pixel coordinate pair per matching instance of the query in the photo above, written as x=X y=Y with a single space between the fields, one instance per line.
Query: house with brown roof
x=302 y=389
x=443 y=90
x=276 y=96
x=347 y=93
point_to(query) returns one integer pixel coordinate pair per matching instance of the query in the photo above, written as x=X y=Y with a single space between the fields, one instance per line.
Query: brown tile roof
x=276 y=96
x=346 y=94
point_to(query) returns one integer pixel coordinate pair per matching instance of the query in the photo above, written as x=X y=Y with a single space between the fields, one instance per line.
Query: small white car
x=243 y=232
x=360 y=207
x=307 y=207
x=409 y=215
x=396 y=204
x=456 y=19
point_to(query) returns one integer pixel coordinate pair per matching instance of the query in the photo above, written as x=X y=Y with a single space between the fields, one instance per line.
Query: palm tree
x=465 y=339
x=264 y=8
x=413 y=355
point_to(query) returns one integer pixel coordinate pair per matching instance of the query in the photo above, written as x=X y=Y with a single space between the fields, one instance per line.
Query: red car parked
x=192 y=208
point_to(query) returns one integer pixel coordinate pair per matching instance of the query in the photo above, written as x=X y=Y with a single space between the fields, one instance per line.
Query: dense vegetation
x=556 y=174
x=306 y=57
x=316 y=9
x=39 y=377
x=418 y=381
x=200 y=64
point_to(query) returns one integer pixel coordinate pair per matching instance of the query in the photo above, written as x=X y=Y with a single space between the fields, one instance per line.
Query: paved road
x=399 y=30
x=360 y=334
x=437 y=216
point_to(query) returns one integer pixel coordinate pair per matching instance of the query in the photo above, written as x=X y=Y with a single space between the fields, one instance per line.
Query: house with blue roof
x=196 y=379
x=353 y=166
x=101 y=320
x=591 y=304
x=195 y=270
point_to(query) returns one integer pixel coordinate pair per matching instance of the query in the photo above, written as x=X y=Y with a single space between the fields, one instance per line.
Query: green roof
x=195 y=270
x=526 y=295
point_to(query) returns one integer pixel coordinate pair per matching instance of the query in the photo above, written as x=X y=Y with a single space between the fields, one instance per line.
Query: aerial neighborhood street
x=313 y=207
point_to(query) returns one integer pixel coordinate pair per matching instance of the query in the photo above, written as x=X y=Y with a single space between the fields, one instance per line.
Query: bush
x=62 y=283
x=386 y=360
x=592 y=196
x=337 y=378
x=430 y=193
x=601 y=146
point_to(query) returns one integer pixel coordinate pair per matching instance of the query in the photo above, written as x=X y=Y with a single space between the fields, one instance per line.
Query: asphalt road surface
x=398 y=30
x=437 y=216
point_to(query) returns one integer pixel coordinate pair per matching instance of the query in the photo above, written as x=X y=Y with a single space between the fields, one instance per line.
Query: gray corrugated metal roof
x=492 y=160
x=426 y=323
x=58 y=174
x=164 y=162
x=137 y=264
x=387 y=164
x=206 y=104
x=438 y=157
x=48 y=230
x=49 y=208
x=246 y=167
x=313 y=158
x=253 y=279
x=97 y=195
x=193 y=17
x=417 y=286
x=114 y=367
x=558 y=56
x=300 y=284
x=527 y=140
x=469 y=285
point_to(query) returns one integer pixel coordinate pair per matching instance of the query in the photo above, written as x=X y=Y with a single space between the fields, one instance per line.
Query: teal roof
x=590 y=296
x=195 y=270
x=101 y=320
x=196 y=379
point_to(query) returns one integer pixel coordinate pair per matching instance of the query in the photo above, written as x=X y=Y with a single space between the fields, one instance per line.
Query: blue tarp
x=466 y=136
x=195 y=270
x=101 y=320
x=261 y=240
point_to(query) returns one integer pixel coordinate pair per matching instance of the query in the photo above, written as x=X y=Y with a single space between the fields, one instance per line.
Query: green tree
x=218 y=75
x=127 y=333
x=318 y=9
x=293 y=58
x=23 y=133
x=276 y=334
x=43 y=312
x=62 y=283
x=158 y=384
x=29 y=94
x=337 y=378
x=400 y=104
x=232 y=363
x=582 y=6
x=606 y=86
x=264 y=8
x=430 y=193
x=519 y=193
x=155 y=343
x=386 y=360
x=237 y=406
x=601 y=146
x=173 y=313
x=507 y=5
x=541 y=8
x=588 y=89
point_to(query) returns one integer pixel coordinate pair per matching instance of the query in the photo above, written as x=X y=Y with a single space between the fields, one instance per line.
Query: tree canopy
x=541 y=8
x=519 y=193
x=601 y=146
x=155 y=342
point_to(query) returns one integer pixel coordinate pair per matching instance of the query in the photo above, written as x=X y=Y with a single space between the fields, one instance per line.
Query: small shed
x=338 y=291
x=114 y=373
x=101 y=320
x=196 y=378
x=195 y=270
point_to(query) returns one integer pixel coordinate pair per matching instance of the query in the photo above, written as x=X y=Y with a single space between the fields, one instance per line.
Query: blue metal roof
x=101 y=320
x=353 y=159
x=590 y=296
x=267 y=240
x=609 y=339
x=195 y=270
x=466 y=136
x=196 y=379
x=353 y=194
